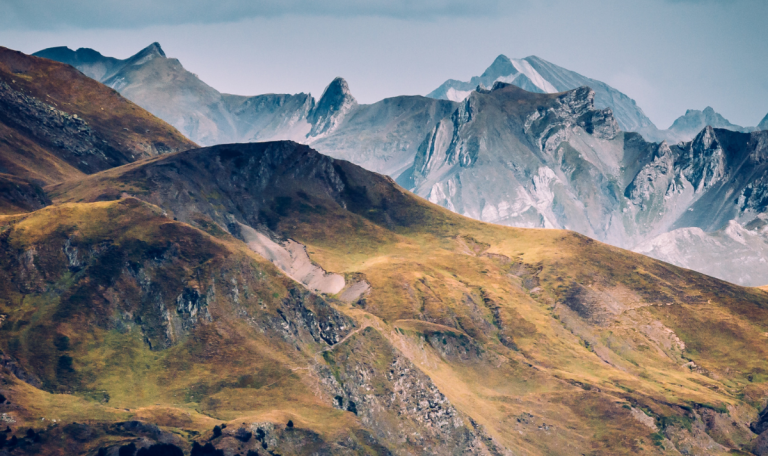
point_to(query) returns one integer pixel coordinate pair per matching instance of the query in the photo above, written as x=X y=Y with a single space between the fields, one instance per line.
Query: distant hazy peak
x=708 y=113
x=336 y=101
x=67 y=55
x=694 y=120
x=763 y=125
x=88 y=55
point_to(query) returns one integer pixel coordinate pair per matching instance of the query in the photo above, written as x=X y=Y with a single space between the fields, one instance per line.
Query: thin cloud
x=87 y=14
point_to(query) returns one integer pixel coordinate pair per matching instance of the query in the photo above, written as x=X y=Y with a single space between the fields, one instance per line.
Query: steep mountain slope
x=470 y=339
x=505 y=156
x=384 y=136
x=57 y=124
x=269 y=116
x=763 y=125
x=537 y=75
x=687 y=126
x=335 y=103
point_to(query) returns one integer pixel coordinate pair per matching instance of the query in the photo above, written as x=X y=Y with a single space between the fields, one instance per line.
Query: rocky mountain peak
x=537 y=75
x=145 y=55
x=706 y=137
x=153 y=48
x=706 y=161
x=502 y=66
x=336 y=102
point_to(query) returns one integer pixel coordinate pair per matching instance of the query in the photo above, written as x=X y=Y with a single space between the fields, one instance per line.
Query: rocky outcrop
x=548 y=127
x=302 y=313
x=445 y=147
x=703 y=161
x=331 y=109
x=396 y=400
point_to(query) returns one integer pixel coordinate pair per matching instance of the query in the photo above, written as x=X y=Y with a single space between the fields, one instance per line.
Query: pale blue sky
x=668 y=55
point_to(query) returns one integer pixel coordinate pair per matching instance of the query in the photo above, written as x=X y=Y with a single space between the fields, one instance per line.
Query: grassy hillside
x=473 y=337
x=184 y=330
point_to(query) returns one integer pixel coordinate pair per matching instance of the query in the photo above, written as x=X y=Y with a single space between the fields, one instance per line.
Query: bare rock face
x=331 y=109
x=555 y=161
x=502 y=158
x=572 y=168
x=548 y=127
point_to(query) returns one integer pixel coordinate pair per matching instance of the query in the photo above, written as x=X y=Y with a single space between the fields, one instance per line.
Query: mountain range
x=162 y=86
x=687 y=126
x=264 y=298
x=529 y=157
x=534 y=74
x=555 y=161
x=382 y=136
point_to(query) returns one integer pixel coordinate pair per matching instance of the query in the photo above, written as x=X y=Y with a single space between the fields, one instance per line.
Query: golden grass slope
x=75 y=320
x=545 y=341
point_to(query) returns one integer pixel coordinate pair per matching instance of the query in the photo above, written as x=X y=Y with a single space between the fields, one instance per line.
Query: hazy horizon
x=669 y=56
